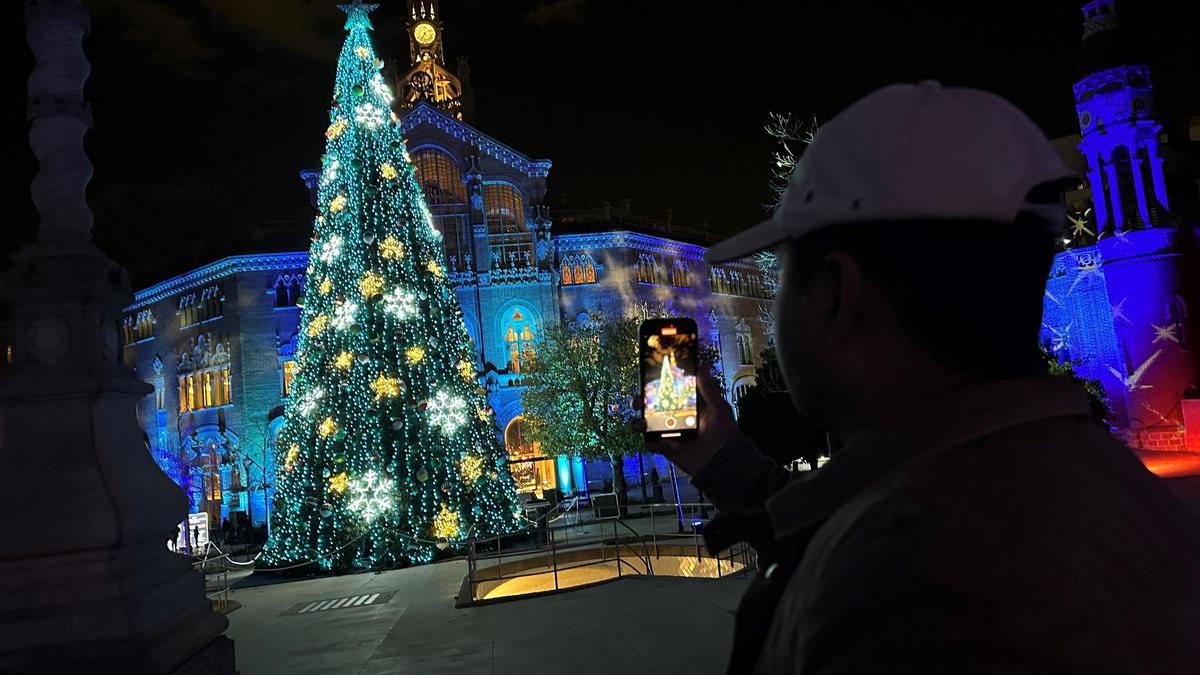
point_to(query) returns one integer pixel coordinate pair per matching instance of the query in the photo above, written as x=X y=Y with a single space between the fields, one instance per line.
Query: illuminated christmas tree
x=669 y=399
x=389 y=451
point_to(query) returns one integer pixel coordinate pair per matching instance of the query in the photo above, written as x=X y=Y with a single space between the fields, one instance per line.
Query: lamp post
x=247 y=463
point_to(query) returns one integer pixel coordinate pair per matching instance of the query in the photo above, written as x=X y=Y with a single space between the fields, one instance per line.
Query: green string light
x=384 y=438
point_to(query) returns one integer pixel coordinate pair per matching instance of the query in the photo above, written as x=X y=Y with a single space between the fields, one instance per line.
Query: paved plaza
x=631 y=626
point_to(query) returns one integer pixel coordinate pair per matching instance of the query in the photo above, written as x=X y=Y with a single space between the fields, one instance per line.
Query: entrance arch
x=533 y=472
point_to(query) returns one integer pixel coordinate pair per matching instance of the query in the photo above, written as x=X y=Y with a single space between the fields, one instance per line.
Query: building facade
x=1118 y=298
x=218 y=342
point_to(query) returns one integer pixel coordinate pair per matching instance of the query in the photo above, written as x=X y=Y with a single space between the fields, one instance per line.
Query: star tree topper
x=356 y=14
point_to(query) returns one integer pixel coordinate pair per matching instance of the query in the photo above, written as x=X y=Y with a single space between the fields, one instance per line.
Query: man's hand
x=716 y=426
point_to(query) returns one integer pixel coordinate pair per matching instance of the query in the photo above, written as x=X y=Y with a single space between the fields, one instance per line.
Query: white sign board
x=197 y=534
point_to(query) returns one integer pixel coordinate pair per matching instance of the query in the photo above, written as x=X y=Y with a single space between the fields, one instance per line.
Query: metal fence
x=578 y=543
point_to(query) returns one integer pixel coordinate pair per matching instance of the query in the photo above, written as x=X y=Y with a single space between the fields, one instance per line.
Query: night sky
x=206 y=111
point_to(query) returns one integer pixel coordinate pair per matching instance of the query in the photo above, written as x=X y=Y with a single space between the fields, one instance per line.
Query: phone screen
x=668 y=358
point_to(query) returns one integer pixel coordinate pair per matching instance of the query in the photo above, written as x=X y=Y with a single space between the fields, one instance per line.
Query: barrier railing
x=568 y=538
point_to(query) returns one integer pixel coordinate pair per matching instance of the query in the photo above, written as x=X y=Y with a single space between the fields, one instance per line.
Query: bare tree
x=793 y=135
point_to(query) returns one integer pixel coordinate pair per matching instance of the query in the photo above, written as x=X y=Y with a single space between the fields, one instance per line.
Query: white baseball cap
x=907 y=152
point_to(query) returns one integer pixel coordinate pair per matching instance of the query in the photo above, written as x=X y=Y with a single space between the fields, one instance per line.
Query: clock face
x=424 y=33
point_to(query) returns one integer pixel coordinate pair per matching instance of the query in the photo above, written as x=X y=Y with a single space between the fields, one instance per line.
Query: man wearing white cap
x=975 y=517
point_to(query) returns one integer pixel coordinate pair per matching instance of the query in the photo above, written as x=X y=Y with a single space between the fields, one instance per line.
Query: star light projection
x=385 y=462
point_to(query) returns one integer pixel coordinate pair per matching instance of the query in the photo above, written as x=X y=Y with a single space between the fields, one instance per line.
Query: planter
x=1191 y=423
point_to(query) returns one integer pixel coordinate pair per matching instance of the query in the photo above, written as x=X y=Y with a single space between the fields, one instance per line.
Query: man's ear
x=844 y=279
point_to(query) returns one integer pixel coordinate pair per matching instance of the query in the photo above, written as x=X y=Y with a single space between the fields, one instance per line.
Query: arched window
x=650 y=271
x=567 y=276
x=289 y=375
x=520 y=341
x=578 y=272
x=288 y=288
x=531 y=469
x=745 y=343
x=504 y=209
x=439 y=177
x=589 y=271
x=208 y=389
x=681 y=275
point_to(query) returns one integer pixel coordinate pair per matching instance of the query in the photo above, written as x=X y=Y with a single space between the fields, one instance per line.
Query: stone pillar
x=1114 y=192
x=1100 y=203
x=86 y=581
x=1135 y=165
x=1156 y=172
x=481 y=249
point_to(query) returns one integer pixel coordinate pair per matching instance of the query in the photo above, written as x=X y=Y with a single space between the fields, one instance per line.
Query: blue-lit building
x=1118 y=298
x=218 y=342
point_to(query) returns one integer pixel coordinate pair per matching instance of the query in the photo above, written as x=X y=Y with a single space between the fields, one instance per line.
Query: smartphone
x=668 y=351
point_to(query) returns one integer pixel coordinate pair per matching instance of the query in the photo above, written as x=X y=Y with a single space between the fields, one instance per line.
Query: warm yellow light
x=385 y=387
x=339 y=483
x=391 y=248
x=339 y=125
x=326 y=286
x=445 y=524
x=343 y=361
x=482 y=413
x=388 y=171
x=327 y=427
x=370 y=285
x=362 y=52
x=466 y=369
x=338 y=203
x=471 y=468
x=293 y=454
x=317 y=325
x=414 y=355
x=434 y=269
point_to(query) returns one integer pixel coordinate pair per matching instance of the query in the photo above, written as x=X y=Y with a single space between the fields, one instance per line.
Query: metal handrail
x=619 y=541
x=546 y=557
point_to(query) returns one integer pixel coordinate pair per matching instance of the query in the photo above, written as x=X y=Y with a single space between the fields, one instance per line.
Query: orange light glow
x=1171 y=464
x=670 y=330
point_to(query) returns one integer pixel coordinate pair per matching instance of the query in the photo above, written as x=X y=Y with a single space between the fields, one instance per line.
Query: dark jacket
x=1001 y=529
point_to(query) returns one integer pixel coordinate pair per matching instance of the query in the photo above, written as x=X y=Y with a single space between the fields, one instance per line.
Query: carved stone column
x=482 y=251
x=543 y=248
x=86 y=581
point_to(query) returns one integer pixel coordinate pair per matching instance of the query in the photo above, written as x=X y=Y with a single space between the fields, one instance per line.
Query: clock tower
x=429 y=79
x=425 y=31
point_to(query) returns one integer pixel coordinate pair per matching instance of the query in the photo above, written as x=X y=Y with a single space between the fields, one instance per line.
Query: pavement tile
x=634 y=626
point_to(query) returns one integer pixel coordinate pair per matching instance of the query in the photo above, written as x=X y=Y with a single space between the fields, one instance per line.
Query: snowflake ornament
x=382 y=89
x=330 y=174
x=339 y=483
x=445 y=524
x=471 y=468
x=343 y=315
x=308 y=403
x=391 y=248
x=370 y=285
x=400 y=304
x=447 y=413
x=336 y=128
x=330 y=249
x=370 y=495
x=414 y=355
x=385 y=387
x=317 y=325
x=369 y=115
